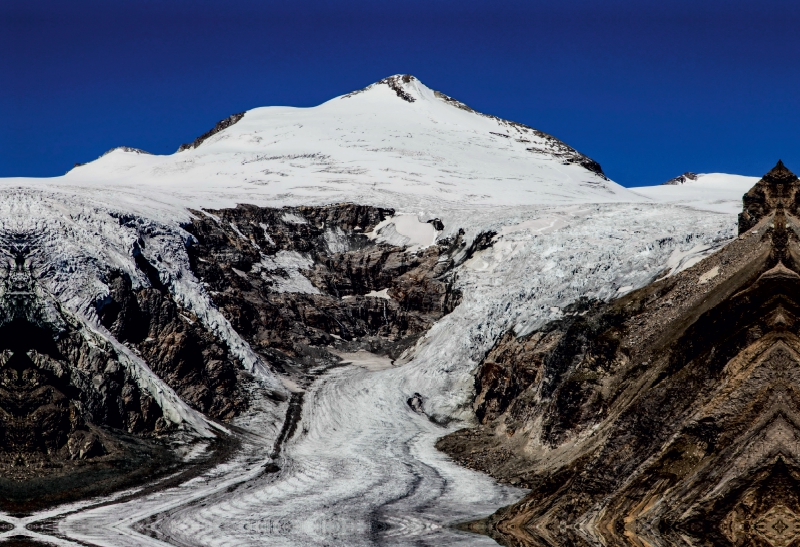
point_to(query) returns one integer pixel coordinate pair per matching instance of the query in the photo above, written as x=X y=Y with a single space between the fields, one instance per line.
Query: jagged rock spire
x=780 y=175
x=778 y=186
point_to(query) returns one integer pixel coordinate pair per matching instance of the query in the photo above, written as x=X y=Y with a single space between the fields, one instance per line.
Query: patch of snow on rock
x=405 y=230
x=284 y=270
x=383 y=293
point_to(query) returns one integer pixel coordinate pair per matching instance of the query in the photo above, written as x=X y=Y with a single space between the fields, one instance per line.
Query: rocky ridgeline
x=681 y=179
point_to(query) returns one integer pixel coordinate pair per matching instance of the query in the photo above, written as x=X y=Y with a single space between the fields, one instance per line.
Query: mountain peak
x=398 y=84
x=394 y=136
x=777 y=189
x=405 y=86
x=780 y=175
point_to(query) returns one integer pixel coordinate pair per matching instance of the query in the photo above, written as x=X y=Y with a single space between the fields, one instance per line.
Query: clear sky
x=649 y=89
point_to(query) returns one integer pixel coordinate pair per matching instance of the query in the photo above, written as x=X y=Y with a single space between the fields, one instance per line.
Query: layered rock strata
x=666 y=417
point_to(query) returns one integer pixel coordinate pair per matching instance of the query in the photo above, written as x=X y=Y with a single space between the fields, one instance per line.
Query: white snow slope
x=711 y=191
x=361 y=468
x=367 y=147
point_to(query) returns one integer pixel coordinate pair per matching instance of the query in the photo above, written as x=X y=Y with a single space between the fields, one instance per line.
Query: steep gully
x=666 y=417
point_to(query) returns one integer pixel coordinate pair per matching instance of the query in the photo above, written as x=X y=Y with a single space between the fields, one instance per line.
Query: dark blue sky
x=649 y=89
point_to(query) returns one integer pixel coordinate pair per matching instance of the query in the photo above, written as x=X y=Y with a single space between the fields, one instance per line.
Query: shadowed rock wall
x=303 y=284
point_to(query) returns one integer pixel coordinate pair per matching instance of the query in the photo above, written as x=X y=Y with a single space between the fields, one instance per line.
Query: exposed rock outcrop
x=298 y=283
x=681 y=179
x=779 y=186
x=667 y=417
x=221 y=125
x=188 y=357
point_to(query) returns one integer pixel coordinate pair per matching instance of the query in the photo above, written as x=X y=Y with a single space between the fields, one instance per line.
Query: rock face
x=178 y=349
x=777 y=187
x=302 y=284
x=669 y=416
x=681 y=179
x=67 y=404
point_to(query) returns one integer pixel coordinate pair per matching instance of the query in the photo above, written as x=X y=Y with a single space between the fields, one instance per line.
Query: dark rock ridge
x=354 y=294
x=395 y=84
x=221 y=125
x=670 y=416
x=681 y=179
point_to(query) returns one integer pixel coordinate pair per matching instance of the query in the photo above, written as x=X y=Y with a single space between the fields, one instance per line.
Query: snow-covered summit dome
x=392 y=143
x=720 y=192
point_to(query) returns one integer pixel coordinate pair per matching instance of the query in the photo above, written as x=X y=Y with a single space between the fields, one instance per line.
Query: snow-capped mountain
x=317 y=288
x=396 y=137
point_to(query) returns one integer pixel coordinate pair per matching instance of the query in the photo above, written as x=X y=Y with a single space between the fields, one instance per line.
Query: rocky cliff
x=304 y=284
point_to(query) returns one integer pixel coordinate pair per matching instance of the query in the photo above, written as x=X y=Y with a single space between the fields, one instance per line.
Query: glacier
x=361 y=468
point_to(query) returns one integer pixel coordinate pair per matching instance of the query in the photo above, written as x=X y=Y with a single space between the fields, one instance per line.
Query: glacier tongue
x=362 y=458
x=361 y=469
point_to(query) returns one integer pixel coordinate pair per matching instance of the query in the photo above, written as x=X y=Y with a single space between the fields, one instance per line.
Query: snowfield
x=719 y=192
x=370 y=146
x=362 y=468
